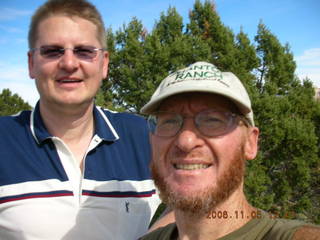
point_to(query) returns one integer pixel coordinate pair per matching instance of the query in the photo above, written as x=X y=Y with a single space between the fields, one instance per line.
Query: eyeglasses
x=210 y=123
x=55 y=52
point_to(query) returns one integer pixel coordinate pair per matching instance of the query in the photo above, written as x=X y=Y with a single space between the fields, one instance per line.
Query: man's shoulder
x=283 y=229
x=167 y=232
x=264 y=229
x=120 y=115
x=124 y=118
x=16 y=120
x=267 y=227
x=310 y=232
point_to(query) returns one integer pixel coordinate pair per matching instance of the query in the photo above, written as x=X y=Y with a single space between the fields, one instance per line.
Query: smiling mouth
x=69 y=81
x=191 y=166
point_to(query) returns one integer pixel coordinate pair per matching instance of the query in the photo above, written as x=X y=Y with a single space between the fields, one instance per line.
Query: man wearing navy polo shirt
x=69 y=169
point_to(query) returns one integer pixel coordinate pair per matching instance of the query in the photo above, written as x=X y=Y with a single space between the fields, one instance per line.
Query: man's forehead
x=58 y=26
x=197 y=100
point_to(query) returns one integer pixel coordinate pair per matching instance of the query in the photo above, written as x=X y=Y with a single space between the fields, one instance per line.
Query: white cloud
x=308 y=65
x=10 y=13
x=310 y=57
x=16 y=78
x=12 y=73
x=27 y=92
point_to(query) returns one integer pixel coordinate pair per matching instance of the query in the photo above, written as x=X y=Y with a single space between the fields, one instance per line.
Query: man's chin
x=200 y=202
x=197 y=203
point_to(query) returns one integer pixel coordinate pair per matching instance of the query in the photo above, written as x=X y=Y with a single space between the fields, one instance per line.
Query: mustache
x=194 y=154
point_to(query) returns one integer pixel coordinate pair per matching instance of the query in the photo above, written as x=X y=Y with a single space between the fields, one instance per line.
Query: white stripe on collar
x=32 y=126
x=108 y=122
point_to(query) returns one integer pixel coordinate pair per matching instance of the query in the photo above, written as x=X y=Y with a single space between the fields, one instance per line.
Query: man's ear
x=105 y=64
x=251 y=143
x=30 y=64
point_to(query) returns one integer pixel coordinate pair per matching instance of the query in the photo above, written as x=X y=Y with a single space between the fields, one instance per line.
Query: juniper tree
x=11 y=103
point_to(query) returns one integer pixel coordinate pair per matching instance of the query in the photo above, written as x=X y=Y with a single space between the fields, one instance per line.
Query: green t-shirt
x=264 y=228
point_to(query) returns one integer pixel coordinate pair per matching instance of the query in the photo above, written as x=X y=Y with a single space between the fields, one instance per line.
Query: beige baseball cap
x=202 y=77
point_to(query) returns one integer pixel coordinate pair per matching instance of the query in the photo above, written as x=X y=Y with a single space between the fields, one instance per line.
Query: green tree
x=130 y=76
x=141 y=60
x=228 y=52
x=11 y=104
x=205 y=22
x=285 y=109
x=105 y=96
x=276 y=71
x=246 y=61
x=284 y=178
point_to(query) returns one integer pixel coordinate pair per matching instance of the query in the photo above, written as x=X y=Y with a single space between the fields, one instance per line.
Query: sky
x=295 y=22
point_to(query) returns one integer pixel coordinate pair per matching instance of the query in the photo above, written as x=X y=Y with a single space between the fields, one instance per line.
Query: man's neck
x=74 y=125
x=220 y=221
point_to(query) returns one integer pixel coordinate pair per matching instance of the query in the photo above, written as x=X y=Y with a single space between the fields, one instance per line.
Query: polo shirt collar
x=103 y=127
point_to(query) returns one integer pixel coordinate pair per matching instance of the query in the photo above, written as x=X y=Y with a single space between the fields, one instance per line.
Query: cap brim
x=154 y=104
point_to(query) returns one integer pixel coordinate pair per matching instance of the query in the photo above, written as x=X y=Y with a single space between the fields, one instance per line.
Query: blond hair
x=71 y=8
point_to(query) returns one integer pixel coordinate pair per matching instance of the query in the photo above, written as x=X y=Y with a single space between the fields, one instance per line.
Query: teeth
x=69 y=80
x=191 y=166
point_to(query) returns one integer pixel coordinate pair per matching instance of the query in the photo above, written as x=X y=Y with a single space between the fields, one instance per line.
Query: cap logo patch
x=197 y=73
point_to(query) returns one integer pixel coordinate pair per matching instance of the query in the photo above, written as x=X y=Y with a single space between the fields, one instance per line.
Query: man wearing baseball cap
x=202 y=134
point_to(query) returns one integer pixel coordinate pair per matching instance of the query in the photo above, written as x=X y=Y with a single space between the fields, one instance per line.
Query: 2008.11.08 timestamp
x=256 y=214
x=235 y=215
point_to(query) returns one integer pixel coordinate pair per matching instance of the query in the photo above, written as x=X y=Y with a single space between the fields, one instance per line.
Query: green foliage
x=141 y=60
x=258 y=183
x=284 y=178
x=276 y=71
x=205 y=22
x=11 y=104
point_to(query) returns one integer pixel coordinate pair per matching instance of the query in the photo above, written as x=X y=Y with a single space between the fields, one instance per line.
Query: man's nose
x=188 y=137
x=69 y=60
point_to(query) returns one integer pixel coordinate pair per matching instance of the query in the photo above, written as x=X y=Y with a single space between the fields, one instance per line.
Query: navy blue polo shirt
x=39 y=178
